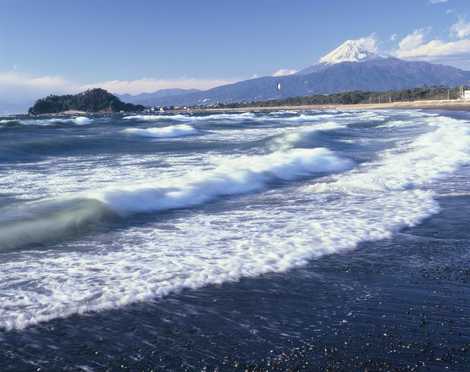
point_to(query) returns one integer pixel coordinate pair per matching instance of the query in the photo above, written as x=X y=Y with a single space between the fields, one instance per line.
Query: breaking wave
x=415 y=163
x=80 y=120
x=51 y=220
x=165 y=132
x=281 y=229
x=48 y=221
x=232 y=177
x=156 y=117
x=295 y=137
x=281 y=116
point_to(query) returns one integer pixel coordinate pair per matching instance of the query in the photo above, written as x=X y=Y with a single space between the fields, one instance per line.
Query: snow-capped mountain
x=354 y=65
x=353 y=51
x=350 y=51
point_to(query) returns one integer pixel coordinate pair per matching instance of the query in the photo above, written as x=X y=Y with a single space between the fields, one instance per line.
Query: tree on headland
x=93 y=100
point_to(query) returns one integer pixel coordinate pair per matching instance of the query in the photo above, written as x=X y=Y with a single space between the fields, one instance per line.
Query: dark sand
x=401 y=304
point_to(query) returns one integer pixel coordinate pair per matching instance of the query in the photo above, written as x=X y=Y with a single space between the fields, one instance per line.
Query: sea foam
x=232 y=177
x=415 y=163
x=271 y=232
x=164 y=132
x=81 y=120
x=52 y=219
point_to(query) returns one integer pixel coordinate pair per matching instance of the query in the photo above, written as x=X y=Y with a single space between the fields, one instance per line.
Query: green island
x=93 y=100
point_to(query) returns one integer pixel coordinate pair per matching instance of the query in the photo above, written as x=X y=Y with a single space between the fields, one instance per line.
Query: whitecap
x=163 y=132
x=231 y=177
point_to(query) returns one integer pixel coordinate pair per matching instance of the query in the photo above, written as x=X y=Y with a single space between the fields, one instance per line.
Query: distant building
x=466 y=95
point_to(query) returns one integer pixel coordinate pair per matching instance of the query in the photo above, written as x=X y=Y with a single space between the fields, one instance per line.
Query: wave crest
x=165 y=132
x=232 y=177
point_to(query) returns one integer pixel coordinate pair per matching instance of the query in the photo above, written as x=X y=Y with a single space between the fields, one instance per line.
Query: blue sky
x=144 y=45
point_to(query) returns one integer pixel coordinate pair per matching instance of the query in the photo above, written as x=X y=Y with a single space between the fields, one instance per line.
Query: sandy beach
x=456 y=105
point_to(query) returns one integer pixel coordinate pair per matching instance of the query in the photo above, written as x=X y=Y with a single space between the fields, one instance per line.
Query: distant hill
x=350 y=67
x=148 y=99
x=359 y=97
x=10 y=108
x=93 y=100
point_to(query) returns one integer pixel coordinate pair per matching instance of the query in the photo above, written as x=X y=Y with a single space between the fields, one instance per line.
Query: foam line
x=430 y=156
x=55 y=218
x=277 y=231
x=232 y=177
x=165 y=132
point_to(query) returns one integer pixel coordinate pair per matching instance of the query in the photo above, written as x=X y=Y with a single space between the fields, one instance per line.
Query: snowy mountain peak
x=352 y=51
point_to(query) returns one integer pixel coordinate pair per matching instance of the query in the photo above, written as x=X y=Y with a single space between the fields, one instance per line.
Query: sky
x=61 y=46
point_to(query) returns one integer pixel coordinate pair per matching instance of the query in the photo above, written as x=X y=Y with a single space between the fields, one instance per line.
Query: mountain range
x=349 y=67
x=148 y=99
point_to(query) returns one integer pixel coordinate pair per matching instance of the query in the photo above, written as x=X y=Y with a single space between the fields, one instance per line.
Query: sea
x=285 y=240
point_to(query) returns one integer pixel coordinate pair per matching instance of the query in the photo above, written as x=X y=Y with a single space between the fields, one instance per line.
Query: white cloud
x=13 y=78
x=412 y=41
x=148 y=85
x=438 y=1
x=14 y=85
x=284 y=72
x=368 y=43
x=416 y=46
x=435 y=49
x=18 y=90
x=393 y=37
x=461 y=29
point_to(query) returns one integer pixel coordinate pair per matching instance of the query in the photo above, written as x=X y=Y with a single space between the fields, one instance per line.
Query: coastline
x=371 y=310
x=453 y=105
x=400 y=303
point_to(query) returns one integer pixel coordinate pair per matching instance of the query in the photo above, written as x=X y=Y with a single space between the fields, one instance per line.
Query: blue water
x=244 y=236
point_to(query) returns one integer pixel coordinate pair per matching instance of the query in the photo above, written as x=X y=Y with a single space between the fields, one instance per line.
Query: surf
x=279 y=210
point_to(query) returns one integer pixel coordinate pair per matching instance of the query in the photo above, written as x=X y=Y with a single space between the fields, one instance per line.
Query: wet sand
x=401 y=304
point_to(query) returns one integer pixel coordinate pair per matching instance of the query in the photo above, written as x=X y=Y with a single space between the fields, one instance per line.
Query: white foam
x=417 y=162
x=81 y=120
x=158 y=117
x=277 y=116
x=53 y=218
x=397 y=124
x=164 y=132
x=283 y=112
x=267 y=232
x=232 y=177
x=294 y=137
x=193 y=118
x=234 y=116
x=143 y=263
x=246 y=116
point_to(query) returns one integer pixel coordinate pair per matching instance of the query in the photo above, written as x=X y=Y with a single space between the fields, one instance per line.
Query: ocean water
x=186 y=241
